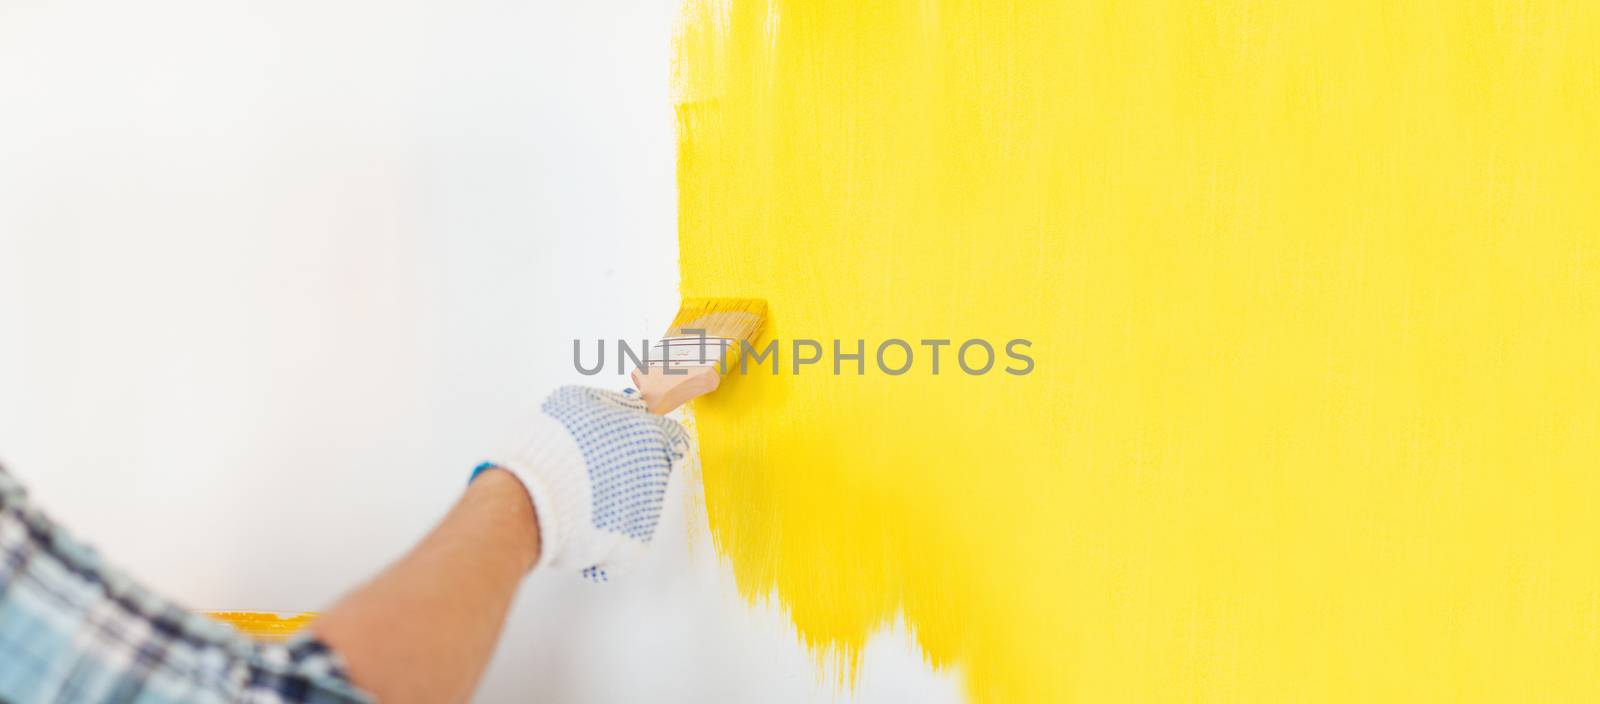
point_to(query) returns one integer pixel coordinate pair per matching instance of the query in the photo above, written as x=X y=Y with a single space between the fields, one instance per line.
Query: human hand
x=596 y=467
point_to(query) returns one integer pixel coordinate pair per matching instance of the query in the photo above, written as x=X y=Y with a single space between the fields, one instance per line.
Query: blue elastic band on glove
x=480 y=469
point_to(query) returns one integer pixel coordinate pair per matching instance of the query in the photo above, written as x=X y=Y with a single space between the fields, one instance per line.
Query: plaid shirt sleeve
x=73 y=629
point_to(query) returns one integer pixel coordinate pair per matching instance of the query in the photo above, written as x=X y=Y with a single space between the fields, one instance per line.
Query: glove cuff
x=551 y=467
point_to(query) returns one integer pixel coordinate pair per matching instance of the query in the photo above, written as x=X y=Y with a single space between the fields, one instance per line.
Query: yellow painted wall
x=265 y=625
x=1314 y=295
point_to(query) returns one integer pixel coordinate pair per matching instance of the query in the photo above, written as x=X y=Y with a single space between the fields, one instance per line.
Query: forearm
x=422 y=631
x=424 y=628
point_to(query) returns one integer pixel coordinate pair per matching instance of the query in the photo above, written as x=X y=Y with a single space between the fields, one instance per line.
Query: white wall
x=275 y=275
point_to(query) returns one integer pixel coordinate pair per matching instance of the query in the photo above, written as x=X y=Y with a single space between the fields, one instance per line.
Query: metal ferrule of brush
x=690 y=351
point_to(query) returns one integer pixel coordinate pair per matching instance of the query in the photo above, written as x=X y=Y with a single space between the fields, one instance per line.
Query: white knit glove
x=596 y=465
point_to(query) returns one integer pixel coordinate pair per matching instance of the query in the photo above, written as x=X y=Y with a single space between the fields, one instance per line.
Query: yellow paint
x=264 y=625
x=1314 y=290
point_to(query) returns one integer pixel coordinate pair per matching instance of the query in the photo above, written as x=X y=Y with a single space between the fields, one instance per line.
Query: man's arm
x=423 y=630
x=582 y=495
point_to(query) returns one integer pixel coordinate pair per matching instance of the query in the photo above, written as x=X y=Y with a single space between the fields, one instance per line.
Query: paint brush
x=700 y=346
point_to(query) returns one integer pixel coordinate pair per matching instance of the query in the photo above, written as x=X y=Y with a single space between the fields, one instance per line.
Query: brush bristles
x=730 y=318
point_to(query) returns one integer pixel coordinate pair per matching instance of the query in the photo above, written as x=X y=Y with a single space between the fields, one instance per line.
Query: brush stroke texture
x=1314 y=298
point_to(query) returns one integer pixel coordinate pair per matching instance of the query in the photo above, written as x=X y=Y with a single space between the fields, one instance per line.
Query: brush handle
x=663 y=392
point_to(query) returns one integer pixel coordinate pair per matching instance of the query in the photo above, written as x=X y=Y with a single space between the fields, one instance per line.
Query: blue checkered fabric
x=75 y=630
x=628 y=453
